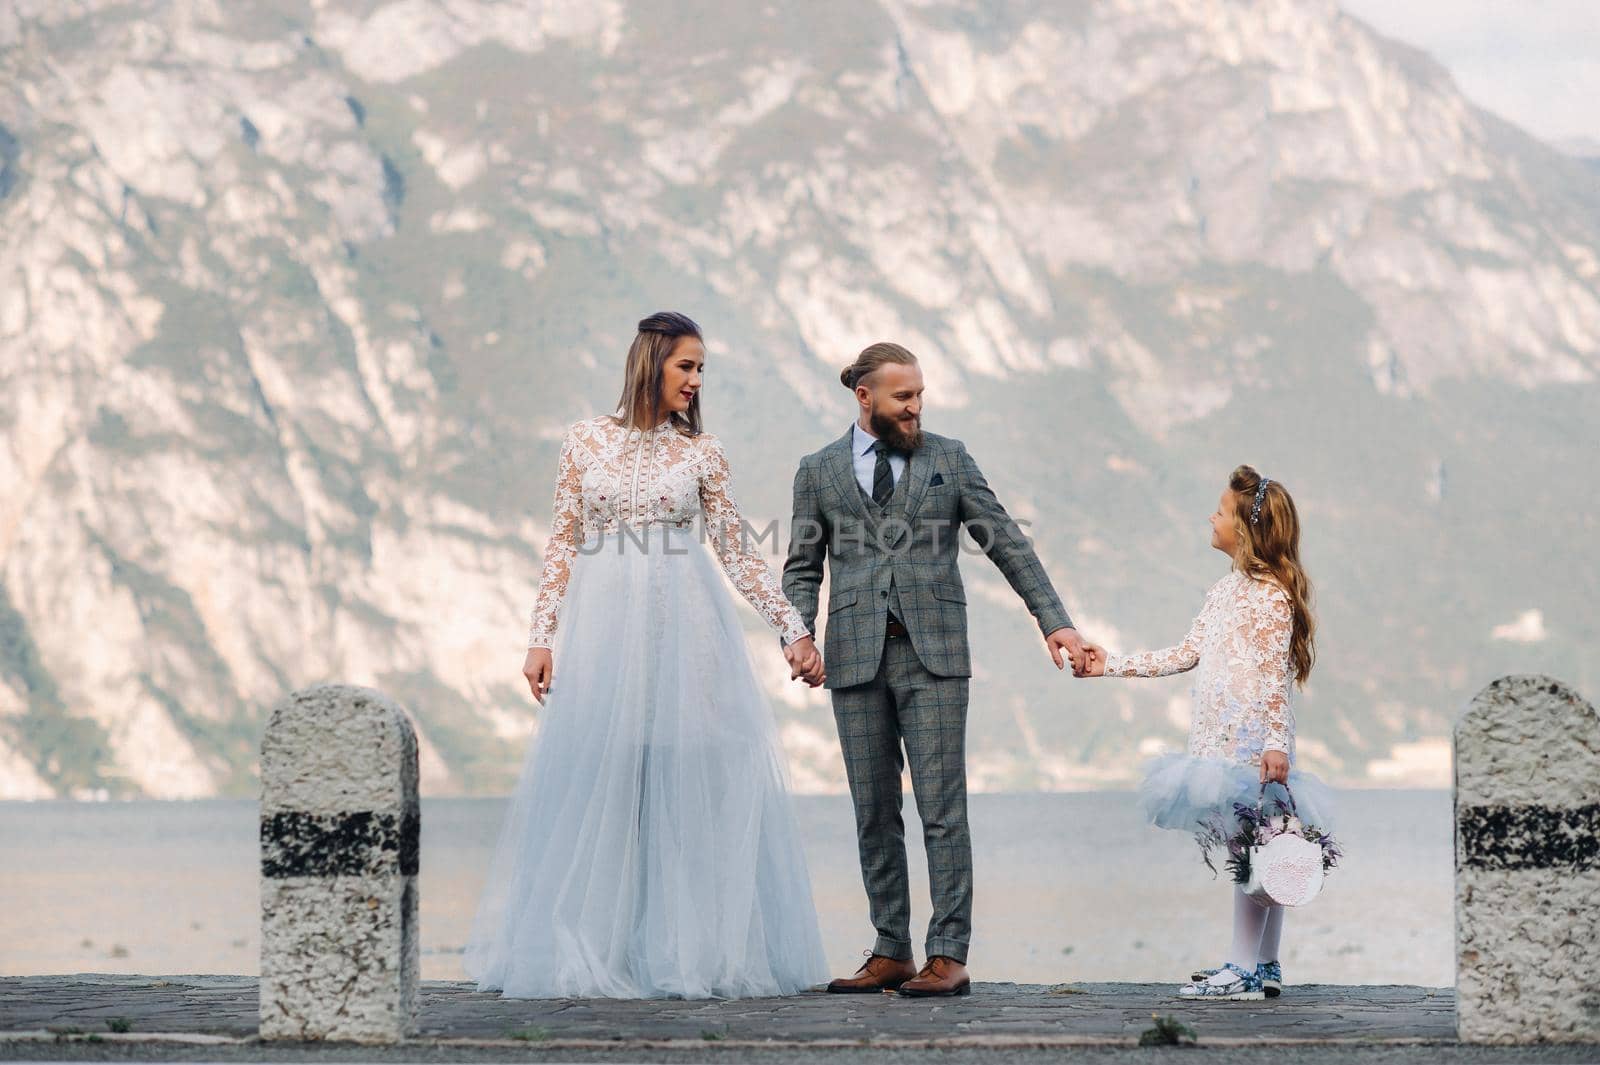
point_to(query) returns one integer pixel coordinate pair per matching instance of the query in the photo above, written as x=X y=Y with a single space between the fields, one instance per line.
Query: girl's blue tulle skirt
x=1183 y=791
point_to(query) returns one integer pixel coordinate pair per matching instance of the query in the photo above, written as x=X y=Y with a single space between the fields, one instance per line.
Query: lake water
x=1067 y=887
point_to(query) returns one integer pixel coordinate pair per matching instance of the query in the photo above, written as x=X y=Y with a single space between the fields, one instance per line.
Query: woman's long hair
x=1271 y=548
x=640 y=404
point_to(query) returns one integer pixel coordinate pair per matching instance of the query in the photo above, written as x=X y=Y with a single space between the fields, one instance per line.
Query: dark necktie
x=882 y=476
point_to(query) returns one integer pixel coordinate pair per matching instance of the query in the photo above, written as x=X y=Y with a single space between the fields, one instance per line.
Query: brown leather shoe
x=941 y=976
x=877 y=974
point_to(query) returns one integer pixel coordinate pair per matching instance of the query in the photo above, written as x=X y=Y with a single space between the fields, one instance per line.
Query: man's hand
x=540 y=669
x=1274 y=767
x=1067 y=639
x=805 y=662
x=1094 y=661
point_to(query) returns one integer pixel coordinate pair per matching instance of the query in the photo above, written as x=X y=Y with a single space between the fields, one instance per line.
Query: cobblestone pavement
x=995 y=1014
x=92 y=1017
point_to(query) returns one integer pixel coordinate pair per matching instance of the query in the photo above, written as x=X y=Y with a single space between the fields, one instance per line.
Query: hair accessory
x=1255 y=508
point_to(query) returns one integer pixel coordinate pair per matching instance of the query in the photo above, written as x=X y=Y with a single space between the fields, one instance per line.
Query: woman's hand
x=540 y=669
x=805 y=661
x=1274 y=767
x=1094 y=661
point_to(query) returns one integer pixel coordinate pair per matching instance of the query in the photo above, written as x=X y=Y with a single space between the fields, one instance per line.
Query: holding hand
x=1067 y=639
x=1094 y=661
x=1274 y=767
x=540 y=670
x=805 y=661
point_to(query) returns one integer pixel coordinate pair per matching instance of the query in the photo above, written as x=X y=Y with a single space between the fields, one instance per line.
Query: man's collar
x=863 y=440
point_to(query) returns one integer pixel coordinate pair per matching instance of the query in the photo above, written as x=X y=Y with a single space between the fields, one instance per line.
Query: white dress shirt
x=866 y=460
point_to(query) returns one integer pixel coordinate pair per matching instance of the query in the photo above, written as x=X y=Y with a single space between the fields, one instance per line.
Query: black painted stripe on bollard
x=1530 y=837
x=348 y=844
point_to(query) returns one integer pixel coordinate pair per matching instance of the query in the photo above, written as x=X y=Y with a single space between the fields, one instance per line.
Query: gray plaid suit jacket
x=915 y=543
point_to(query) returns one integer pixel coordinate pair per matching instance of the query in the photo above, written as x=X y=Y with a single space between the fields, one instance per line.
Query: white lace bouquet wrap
x=1277 y=859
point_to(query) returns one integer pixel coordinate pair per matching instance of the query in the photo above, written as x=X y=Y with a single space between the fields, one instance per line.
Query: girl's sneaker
x=1270 y=972
x=1229 y=984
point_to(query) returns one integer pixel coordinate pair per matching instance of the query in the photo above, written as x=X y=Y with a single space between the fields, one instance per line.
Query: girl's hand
x=1274 y=767
x=1094 y=664
x=540 y=669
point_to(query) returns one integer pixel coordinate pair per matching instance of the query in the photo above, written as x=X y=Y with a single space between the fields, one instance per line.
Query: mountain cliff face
x=296 y=299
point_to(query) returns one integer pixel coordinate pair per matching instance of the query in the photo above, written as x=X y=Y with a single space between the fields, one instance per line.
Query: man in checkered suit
x=885 y=505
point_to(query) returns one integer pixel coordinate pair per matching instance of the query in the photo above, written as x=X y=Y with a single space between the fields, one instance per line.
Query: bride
x=650 y=848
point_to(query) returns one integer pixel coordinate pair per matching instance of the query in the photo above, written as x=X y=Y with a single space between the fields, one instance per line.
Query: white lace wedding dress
x=650 y=848
x=1239 y=649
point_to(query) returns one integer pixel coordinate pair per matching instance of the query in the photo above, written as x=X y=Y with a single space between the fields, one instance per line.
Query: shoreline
x=1123 y=788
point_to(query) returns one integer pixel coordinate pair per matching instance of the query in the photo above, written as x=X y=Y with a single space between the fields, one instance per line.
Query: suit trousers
x=906 y=704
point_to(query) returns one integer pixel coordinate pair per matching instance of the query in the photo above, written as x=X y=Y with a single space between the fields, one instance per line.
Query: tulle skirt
x=650 y=848
x=1183 y=791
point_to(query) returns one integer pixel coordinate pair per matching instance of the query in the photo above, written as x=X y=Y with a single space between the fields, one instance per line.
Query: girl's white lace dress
x=650 y=848
x=1238 y=647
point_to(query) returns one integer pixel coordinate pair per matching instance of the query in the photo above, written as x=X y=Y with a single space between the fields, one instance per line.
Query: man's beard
x=901 y=435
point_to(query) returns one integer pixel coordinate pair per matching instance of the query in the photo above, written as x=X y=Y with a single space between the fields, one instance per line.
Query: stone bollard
x=339 y=837
x=1527 y=806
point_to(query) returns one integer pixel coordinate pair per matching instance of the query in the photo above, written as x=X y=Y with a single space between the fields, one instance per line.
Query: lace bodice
x=1240 y=646
x=610 y=476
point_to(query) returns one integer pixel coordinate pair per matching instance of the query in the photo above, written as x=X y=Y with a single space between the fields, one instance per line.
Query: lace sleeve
x=1180 y=659
x=566 y=531
x=1266 y=629
x=749 y=573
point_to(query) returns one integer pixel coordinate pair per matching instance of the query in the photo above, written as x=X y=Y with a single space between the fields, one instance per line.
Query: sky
x=1534 y=62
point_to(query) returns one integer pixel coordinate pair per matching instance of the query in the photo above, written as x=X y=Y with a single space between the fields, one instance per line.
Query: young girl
x=1252 y=637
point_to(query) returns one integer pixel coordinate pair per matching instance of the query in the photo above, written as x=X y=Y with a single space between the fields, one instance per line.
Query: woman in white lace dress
x=1252 y=639
x=650 y=848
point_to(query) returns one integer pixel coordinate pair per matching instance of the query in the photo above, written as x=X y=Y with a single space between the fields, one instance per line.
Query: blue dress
x=650 y=848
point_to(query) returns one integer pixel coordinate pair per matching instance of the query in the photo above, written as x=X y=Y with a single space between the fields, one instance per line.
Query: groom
x=884 y=504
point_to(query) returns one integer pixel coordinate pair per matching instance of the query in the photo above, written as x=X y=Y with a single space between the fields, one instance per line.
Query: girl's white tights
x=1257 y=930
x=1272 y=934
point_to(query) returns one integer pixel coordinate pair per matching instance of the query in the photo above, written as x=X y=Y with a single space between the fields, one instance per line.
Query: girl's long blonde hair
x=640 y=404
x=1271 y=548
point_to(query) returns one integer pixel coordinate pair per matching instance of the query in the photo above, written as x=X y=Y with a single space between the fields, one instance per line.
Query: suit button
x=883 y=594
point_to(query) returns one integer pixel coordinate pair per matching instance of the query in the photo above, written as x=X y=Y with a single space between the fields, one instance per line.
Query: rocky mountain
x=1585 y=149
x=297 y=296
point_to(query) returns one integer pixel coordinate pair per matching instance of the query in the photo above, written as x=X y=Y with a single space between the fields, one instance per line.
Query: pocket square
x=938 y=479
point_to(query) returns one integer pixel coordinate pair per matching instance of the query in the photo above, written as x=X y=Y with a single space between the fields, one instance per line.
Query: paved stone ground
x=213 y=1018
x=1074 y=1014
x=790 y=1054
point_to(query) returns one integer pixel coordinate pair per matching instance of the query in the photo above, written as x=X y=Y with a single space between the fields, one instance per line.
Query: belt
x=894 y=628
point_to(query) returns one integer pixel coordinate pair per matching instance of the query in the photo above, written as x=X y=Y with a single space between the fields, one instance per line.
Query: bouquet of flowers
x=1255 y=828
